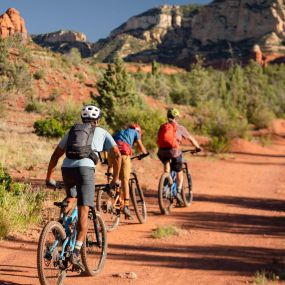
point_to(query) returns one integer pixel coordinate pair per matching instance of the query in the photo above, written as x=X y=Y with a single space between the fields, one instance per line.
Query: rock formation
x=223 y=32
x=63 y=41
x=11 y=23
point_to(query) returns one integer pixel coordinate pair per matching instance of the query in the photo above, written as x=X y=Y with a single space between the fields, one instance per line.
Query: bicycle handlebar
x=140 y=156
x=192 y=151
x=55 y=185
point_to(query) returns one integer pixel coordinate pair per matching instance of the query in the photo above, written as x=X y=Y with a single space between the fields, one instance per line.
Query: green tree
x=117 y=91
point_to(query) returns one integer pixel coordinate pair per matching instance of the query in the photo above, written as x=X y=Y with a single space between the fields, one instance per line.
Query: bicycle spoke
x=95 y=248
x=50 y=265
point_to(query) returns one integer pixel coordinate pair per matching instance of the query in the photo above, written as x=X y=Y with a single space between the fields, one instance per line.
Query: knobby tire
x=164 y=196
x=138 y=200
x=104 y=206
x=93 y=253
x=187 y=193
x=48 y=272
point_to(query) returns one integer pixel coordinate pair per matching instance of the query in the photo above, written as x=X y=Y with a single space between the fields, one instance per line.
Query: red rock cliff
x=12 y=23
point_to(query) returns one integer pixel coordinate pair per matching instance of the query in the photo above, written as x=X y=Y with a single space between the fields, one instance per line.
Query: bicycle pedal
x=130 y=218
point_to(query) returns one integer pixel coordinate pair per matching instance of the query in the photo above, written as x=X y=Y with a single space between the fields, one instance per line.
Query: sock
x=126 y=202
x=179 y=190
x=78 y=246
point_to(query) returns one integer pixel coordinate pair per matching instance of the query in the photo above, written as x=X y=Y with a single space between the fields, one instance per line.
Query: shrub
x=39 y=74
x=19 y=205
x=34 y=106
x=164 y=231
x=149 y=120
x=49 y=128
x=73 y=57
x=60 y=121
x=261 y=118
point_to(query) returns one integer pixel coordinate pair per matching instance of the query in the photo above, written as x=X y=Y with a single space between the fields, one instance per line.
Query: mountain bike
x=109 y=203
x=167 y=188
x=57 y=242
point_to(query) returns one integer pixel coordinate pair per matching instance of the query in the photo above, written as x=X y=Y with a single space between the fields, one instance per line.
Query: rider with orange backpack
x=169 y=137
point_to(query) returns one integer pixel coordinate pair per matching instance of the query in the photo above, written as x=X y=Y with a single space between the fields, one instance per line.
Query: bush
x=164 y=231
x=73 y=57
x=261 y=118
x=149 y=120
x=39 y=74
x=19 y=205
x=49 y=128
x=34 y=106
x=60 y=121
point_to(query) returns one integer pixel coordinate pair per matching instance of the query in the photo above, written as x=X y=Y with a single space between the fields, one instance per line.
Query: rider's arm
x=116 y=158
x=194 y=142
x=141 y=146
x=58 y=152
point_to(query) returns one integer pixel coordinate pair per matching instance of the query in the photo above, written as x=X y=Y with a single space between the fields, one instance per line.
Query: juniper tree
x=117 y=92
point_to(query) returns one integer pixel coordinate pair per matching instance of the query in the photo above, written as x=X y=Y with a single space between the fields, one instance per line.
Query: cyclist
x=125 y=140
x=169 y=138
x=78 y=174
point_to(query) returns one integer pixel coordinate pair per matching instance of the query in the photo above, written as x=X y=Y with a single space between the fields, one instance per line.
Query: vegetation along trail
x=233 y=229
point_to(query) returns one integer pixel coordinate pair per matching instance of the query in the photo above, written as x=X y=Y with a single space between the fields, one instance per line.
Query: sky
x=95 y=18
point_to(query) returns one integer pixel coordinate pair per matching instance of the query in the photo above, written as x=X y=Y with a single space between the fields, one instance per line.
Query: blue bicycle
x=167 y=188
x=57 y=242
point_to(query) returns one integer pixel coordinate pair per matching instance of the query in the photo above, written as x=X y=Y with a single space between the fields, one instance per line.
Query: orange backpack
x=166 y=137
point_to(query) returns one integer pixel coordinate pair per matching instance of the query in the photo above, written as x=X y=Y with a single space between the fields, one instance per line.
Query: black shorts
x=79 y=182
x=175 y=162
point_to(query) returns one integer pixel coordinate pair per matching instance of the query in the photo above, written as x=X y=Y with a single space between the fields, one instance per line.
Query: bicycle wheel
x=137 y=197
x=105 y=206
x=187 y=193
x=94 y=251
x=51 y=269
x=165 y=199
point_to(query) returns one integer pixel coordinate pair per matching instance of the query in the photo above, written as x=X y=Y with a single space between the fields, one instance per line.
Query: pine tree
x=117 y=91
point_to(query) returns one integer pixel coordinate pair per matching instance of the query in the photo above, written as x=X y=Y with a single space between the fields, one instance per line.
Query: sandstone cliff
x=11 y=23
x=223 y=32
x=63 y=41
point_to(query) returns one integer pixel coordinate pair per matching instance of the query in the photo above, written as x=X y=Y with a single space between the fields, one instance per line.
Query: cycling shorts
x=175 y=162
x=79 y=183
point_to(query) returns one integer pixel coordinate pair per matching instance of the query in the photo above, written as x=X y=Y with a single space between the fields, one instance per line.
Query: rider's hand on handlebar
x=51 y=183
x=198 y=149
x=114 y=184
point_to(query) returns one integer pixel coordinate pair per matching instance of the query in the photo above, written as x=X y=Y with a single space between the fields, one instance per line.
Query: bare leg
x=125 y=189
x=179 y=179
x=82 y=222
x=167 y=167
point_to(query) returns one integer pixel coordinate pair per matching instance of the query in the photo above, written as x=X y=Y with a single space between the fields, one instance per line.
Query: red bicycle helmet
x=136 y=127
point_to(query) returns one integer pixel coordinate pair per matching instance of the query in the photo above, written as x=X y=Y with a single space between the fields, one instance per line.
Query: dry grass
x=20 y=149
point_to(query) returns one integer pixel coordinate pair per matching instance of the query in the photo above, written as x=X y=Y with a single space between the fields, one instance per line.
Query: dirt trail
x=234 y=228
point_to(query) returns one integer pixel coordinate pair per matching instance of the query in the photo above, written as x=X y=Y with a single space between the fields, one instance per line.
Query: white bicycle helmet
x=91 y=112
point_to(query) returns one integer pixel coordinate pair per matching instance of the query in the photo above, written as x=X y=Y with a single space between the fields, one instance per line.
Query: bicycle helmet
x=90 y=112
x=136 y=127
x=172 y=113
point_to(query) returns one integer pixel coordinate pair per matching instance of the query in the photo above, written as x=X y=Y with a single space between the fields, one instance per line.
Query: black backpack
x=79 y=142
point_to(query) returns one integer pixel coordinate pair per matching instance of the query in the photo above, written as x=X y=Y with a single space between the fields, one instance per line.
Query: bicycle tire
x=165 y=200
x=93 y=254
x=138 y=200
x=48 y=265
x=187 y=193
x=104 y=205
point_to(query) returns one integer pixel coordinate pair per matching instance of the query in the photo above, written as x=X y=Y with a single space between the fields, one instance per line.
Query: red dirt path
x=234 y=228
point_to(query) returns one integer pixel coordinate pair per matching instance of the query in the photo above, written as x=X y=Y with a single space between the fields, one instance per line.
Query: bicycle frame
x=70 y=236
x=173 y=187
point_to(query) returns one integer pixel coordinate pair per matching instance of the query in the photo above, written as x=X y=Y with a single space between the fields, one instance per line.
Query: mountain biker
x=125 y=139
x=78 y=174
x=169 y=153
